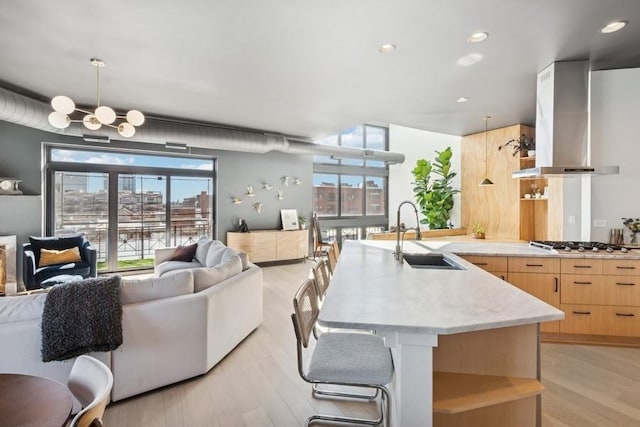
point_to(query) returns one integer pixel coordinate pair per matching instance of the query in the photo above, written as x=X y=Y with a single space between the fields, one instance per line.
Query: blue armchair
x=33 y=273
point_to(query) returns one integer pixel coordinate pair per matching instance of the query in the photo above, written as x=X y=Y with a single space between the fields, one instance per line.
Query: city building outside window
x=350 y=195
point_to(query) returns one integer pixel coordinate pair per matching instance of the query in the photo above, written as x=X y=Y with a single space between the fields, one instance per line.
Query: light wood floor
x=257 y=385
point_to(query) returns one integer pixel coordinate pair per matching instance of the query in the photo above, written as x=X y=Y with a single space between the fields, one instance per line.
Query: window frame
x=336 y=224
x=113 y=171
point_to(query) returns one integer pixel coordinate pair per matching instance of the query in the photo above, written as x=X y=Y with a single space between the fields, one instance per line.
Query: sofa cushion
x=184 y=253
x=218 y=254
x=167 y=266
x=73 y=269
x=206 y=277
x=54 y=242
x=64 y=256
x=202 y=249
x=23 y=307
x=152 y=288
x=245 y=260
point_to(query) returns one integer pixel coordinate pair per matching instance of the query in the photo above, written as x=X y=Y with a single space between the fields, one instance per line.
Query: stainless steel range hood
x=562 y=106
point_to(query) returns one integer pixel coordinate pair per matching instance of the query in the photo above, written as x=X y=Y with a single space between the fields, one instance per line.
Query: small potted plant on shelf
x=302 y=220
x=478 y=230
x=525 y=145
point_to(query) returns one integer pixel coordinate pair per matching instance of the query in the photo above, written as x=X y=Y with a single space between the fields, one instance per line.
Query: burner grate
x=574 y=245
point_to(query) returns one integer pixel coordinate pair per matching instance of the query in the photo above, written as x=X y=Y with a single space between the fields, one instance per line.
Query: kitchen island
x=465 y=343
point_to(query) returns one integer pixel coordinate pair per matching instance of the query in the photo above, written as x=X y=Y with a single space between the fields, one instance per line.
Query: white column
x=413 y=385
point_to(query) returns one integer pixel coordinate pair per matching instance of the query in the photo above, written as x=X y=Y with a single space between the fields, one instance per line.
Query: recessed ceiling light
x=469 y=59
x=477 y=37
x=462 y=99
x=613 y=27
x=387 y=48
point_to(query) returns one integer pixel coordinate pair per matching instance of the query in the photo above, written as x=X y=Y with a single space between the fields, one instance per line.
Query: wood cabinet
x=496 y=265
x=602 y=299
x=502 y=208
x=539 y=277
x=270 y=245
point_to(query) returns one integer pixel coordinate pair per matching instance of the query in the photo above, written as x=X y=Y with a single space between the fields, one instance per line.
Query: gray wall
x=615 y=134
x=21 y=158
x=238 y=170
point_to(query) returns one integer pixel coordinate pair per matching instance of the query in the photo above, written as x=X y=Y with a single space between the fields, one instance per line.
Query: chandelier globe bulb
x=135 y=117
x=63 y=104
x=126 y=129
x=59 y=120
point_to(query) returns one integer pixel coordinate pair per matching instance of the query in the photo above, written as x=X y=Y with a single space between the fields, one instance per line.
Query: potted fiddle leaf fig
x=433 y=189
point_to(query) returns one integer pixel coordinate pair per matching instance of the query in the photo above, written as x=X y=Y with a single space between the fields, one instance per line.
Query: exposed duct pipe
x=25 y=111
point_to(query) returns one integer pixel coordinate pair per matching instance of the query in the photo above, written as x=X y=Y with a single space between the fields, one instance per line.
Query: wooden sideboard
x=270 y=245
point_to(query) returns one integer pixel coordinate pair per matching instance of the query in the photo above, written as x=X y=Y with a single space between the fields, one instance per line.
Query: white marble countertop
x=370 y=290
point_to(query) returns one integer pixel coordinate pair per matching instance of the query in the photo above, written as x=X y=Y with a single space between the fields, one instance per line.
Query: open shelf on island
x=454 y=392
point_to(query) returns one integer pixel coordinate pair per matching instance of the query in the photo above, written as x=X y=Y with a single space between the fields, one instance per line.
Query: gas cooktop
x=577 y=246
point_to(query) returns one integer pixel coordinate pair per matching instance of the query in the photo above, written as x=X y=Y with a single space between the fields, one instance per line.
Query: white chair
x=90 y=381
x=341 y=358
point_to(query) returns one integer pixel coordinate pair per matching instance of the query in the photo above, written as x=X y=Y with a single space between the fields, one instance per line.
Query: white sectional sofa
x=172 y=329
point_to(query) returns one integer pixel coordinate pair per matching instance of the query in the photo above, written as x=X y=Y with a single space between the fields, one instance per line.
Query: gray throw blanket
x=80 y=317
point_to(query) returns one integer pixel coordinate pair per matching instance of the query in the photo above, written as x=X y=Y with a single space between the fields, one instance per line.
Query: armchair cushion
x=52 y=256
x=56 y=243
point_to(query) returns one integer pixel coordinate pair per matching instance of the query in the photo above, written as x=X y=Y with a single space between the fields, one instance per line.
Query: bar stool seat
x=350 y=358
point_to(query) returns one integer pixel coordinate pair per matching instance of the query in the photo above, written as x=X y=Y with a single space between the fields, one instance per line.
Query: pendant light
x=486 y=180
x=64 y=106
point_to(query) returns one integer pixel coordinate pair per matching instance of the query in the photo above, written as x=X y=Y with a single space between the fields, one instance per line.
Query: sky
x=182 y=186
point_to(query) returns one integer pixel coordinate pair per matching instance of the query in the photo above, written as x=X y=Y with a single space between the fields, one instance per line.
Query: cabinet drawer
x=581 y=266
x=621 y=290
x=621 y=267
x=488 y=263
x=582 y=289
x=583 y=319
x=623 y=321
x=600 y=320
x=534 y=264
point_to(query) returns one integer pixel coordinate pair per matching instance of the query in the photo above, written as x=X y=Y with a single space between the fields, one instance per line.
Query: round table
x=33 y=401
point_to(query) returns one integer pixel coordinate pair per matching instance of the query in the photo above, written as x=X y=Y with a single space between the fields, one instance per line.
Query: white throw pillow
x=152 y=288
x=207 y=277
x=202 y=249
x=218 y=254
x=23 y=307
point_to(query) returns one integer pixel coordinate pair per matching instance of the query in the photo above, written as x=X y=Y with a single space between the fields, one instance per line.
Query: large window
x=350 y=194
x=129 y=204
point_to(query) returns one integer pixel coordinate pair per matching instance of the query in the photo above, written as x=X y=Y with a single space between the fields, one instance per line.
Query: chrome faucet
x=398 y=252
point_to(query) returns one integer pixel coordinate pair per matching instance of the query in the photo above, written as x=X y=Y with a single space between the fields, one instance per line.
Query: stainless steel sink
x=431 y=261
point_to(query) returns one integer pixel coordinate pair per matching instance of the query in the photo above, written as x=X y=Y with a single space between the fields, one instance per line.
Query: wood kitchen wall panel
x=496 y=206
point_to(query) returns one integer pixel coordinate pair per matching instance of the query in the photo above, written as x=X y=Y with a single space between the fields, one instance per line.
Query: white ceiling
x=309 y=68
